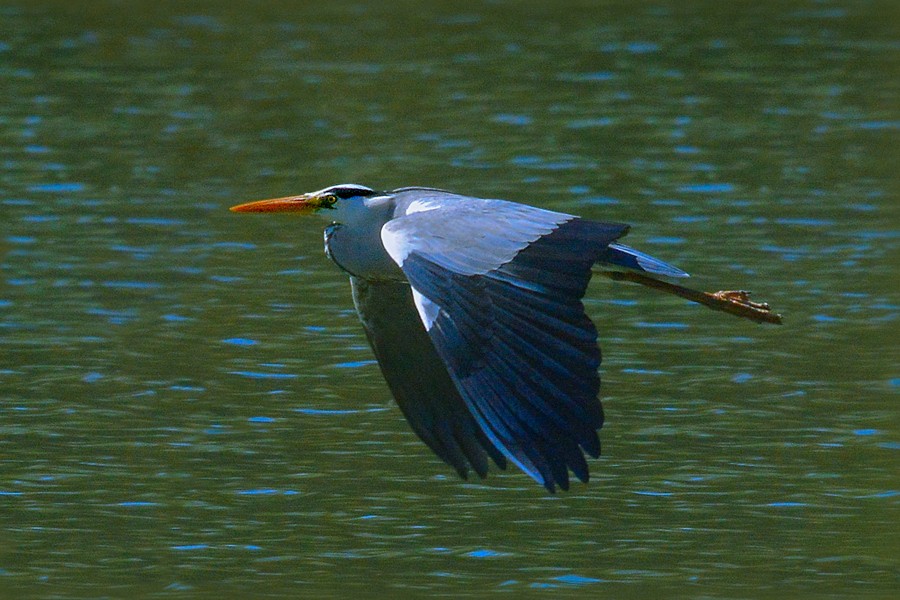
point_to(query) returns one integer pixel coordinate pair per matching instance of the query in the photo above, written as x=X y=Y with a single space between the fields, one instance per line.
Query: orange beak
x=303 y=204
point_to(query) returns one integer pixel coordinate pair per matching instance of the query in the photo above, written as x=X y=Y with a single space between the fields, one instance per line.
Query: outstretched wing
x=418 y=378
x=498 y=287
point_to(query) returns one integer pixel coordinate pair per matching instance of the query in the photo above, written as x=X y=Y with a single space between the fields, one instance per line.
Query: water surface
x=188 y=405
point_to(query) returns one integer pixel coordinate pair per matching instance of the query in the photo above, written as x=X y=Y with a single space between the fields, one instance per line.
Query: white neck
x=354 y=241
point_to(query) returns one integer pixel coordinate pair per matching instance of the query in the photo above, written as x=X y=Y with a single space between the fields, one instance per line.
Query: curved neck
x=353 y=241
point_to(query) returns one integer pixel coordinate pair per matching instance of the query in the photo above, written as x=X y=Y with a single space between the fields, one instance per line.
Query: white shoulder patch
x=428 y=310
x=417 y=206
x=397 y=246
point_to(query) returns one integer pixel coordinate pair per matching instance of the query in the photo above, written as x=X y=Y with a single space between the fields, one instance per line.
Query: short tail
x=624 y=256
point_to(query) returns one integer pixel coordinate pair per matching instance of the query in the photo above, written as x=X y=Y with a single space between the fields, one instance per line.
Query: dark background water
x=188 y=406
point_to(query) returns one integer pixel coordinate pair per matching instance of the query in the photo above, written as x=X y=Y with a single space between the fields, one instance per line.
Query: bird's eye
x=327 y=201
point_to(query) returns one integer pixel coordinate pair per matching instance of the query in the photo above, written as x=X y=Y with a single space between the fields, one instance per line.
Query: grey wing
x=485 y=233
x=464 y=234
x=510 y=325
x=418 y=378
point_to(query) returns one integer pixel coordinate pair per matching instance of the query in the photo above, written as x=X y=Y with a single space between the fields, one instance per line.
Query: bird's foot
x=740 y=304
x=735 y=302
x=740 y=297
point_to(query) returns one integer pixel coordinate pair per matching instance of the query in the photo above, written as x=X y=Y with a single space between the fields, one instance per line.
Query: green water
x=188 y=406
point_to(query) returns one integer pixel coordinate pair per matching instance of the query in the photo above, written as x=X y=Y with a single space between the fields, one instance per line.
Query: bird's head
x=337 y=198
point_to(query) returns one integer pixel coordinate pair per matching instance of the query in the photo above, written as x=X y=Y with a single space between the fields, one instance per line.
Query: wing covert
x=462 y=234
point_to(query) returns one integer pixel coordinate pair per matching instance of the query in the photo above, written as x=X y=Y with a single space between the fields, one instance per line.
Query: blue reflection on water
x=485 y=553
x=235 y=245
x=885 y=494
x=258 y=492
x=258 y=375
x=21 y=239
x=620 y=302
x=706 y=188
x=188 y=547
x=879 y=125
x=646 y=372
x=671 y=241
x=154 y=221
x=824 y=318
x=178 y=587
x=807 y=222
x=335 y=411
x=131 y=285
x=116 y=317
x=512 y=119
x=574 y=579
x=354 y=364
x=661 y=325
x=240 y=341
x=600 y=201
x=187 y=388
x=586 y=77
x=588 y=123
x=57 y=187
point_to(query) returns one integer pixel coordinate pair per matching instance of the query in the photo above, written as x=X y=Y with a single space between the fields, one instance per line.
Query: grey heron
x=473 y=308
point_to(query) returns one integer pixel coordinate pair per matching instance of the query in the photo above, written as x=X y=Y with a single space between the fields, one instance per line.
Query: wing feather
x=511 y=328
x=418 y=378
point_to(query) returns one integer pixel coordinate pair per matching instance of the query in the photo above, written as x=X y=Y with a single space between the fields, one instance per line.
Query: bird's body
x=473 y=309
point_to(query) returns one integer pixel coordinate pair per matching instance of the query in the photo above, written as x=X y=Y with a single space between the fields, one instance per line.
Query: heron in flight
x=473 y=308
